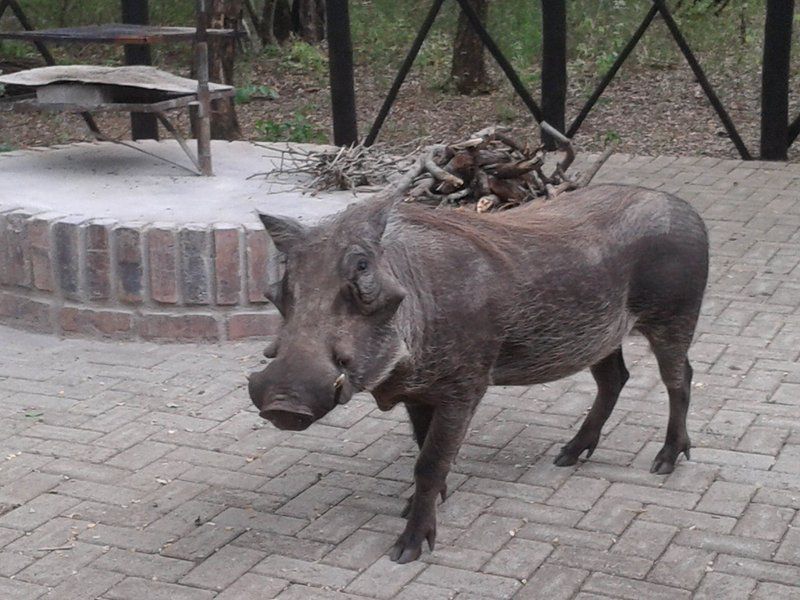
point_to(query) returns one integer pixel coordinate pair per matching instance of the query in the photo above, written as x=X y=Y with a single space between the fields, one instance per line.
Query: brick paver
x=133 y=471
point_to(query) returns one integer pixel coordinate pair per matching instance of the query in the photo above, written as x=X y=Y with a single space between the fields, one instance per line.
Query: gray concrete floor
x=133 y=471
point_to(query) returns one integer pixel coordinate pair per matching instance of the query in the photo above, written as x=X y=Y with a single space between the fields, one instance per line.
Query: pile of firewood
x=490 y=171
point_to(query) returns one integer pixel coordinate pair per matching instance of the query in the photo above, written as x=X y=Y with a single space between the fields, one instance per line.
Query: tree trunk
x=266 y=27
x=308 y=20
x=223 y=14
x=469 y=65
x=282 y=20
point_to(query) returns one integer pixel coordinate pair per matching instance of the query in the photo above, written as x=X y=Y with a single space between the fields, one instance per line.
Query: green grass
x=505 y=114
x=62 y=13
x=297 y=129
x=248 y=93
x=383 y=31
x=296 y=57
x=10 y=49
x=301 y=56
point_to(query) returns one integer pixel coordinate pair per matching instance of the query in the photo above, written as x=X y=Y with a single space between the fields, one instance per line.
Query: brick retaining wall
x=156 y=281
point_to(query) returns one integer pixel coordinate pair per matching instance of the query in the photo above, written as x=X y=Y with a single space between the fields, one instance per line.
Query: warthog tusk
x=337 y=385
x=337 y=389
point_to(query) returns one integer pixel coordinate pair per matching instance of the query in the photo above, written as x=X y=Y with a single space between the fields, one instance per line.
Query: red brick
x=16 y=309
x=195 y=249
x=40 y=252
x=67 y=250
x=15 y=268
x=98 y=260
x=257 y=264
x=92 y=322
x=195 y=327
x=226 y=264
x=253 y=324
x=162 y=249
x=128 y=258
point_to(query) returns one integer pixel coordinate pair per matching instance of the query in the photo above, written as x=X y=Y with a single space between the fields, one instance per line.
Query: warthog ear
x=274 y=294
x=284 y=232
x=376 y=222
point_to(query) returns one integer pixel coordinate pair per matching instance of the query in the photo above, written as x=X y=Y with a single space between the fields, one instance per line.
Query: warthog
x=429 y=308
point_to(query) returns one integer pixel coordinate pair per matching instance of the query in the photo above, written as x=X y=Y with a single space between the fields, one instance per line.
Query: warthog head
x=338 y=297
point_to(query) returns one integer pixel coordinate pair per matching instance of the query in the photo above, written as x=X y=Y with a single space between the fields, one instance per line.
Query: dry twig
x=490 y=171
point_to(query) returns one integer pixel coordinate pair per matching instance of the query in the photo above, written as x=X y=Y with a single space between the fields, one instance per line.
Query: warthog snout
x=286 y=414
x=293 y=398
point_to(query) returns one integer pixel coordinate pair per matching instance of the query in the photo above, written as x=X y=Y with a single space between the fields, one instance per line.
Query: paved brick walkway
x=136 y=471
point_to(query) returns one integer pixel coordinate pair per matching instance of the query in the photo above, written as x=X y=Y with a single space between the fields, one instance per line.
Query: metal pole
x=203 y=100
x=775 y=79
x=794 y=130
x=48 y=58
x=28 y=26
x=612 y=72
x=401 y=74
x=502 y=61
x=136 y=12
x=703 y=80
x=340 y=60
x=554 y=66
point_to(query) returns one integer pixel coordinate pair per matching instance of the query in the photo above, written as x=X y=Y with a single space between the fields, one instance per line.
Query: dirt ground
x=646 y=110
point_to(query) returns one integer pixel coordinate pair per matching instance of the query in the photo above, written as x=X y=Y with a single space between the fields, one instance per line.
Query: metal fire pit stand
x=145 y=35
x=201 y=160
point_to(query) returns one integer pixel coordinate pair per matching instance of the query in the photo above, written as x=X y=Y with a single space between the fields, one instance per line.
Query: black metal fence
x=777 y=132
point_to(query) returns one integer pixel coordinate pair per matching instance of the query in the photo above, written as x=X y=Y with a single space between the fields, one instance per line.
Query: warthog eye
x=371 y=287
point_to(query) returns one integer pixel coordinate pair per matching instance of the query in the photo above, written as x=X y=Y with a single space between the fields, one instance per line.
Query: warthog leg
x=610 y=375
x=420 y=416
x=676 y=372
x=447 y=429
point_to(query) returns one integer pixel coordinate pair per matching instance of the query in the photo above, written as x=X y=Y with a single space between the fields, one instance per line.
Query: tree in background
x=225 y=14
x=274 y=25
x=278 y=19
x=469 y=64
x=308 y=20
x=222 y=14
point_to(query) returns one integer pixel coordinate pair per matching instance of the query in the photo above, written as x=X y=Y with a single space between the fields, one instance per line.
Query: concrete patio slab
x=107 y=241
x=105 y=180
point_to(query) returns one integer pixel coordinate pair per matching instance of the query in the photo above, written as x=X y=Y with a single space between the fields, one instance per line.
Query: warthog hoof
x=664 y=462
x=409 y=545
x=571 y=452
